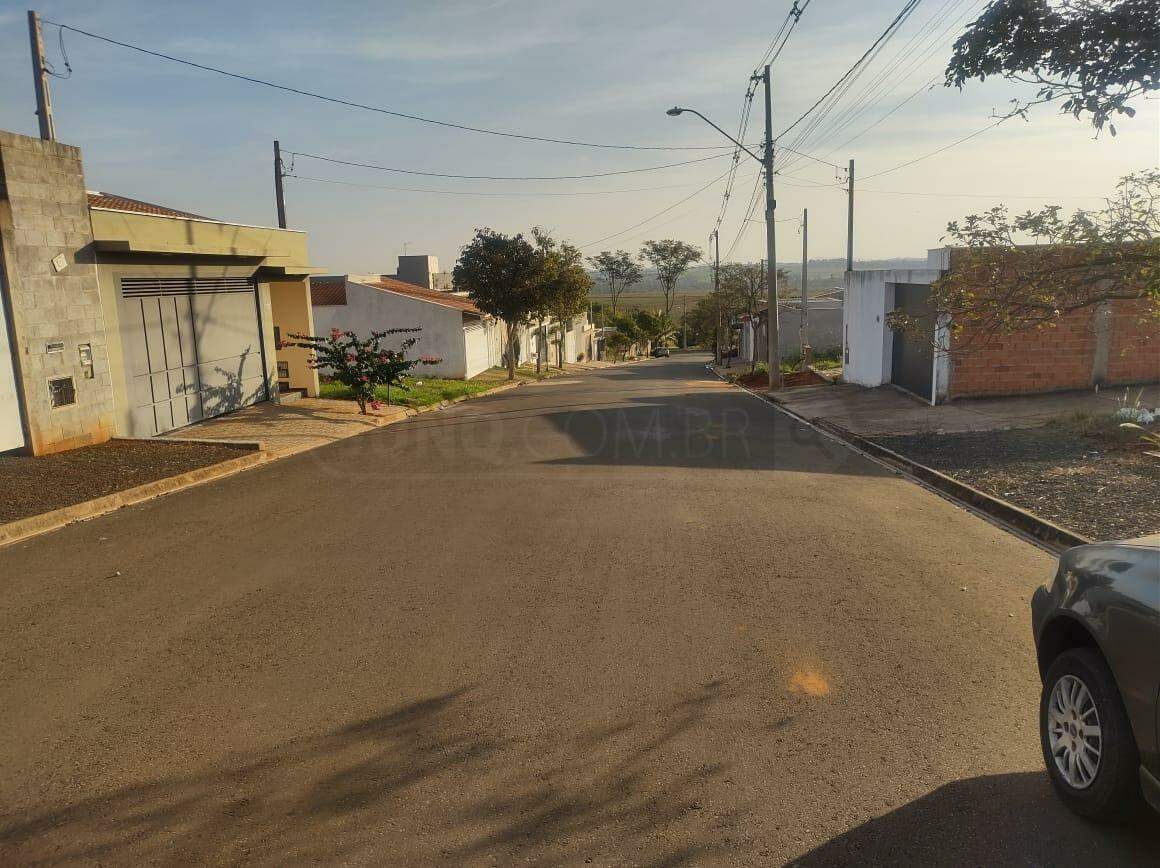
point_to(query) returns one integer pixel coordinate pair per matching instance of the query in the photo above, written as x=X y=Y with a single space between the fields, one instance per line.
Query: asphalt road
x=633 y=617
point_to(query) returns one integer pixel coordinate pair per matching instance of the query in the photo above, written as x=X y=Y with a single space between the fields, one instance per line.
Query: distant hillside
x=824 y=274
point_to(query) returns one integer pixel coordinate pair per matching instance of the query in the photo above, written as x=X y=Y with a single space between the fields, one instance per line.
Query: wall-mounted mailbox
x=86 y=357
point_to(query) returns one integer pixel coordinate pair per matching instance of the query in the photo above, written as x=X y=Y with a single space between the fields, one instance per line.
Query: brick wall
x=1066 y=356
x=44 y=213
x=1134 y=348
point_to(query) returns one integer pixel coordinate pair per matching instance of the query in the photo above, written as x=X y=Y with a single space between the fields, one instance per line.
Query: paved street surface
x=630 y=617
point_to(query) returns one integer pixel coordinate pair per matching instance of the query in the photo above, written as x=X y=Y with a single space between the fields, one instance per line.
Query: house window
x=62 y=391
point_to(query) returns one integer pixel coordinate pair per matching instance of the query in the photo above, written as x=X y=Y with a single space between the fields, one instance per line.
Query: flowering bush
x=362 y=365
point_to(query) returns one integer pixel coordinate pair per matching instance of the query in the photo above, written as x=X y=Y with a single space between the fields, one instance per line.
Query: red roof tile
x=327 y=292
x=109 y=202
x=434 y=296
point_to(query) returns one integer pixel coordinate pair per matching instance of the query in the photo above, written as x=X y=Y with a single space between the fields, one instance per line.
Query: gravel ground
x=1094 y=483
x=35 y=485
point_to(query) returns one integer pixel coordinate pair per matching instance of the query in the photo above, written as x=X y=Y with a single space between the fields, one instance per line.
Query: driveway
x=633 y=616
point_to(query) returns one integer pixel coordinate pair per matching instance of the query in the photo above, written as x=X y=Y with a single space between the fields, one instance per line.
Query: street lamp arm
x=675 y=111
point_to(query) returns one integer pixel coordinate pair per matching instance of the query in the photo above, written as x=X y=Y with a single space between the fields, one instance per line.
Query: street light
x=770 y=206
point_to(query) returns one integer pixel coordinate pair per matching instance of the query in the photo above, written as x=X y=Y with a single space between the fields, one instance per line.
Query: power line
x=889 y=31
x=378 y=168
x=936 y=152
x=676 y=204
x=564 y=193
x=377 y=109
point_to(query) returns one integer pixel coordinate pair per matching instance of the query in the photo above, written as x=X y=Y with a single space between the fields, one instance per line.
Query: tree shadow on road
x=429 y=781
x=997 y=820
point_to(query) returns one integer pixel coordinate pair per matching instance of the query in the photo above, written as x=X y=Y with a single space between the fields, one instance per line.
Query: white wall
x=483 y=340
x=868 y=341
x=369 y=309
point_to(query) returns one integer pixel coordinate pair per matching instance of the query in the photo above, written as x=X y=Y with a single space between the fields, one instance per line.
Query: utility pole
x=850 y=219
x=278 y=195
x=807 y=350
x=771 y=242
x=684 y=322
x=40 y=78
x=716 y=290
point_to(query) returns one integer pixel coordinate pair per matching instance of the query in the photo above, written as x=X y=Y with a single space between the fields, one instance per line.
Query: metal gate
x=912 y=359
x=193 y=349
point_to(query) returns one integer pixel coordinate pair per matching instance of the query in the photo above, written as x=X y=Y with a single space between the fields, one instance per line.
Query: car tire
x=1113 y=791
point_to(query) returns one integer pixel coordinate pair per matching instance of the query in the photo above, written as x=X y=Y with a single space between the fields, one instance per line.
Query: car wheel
x=1088 y=745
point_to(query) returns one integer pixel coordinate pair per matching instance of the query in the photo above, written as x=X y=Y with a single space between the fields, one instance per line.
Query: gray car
x=1097 y=637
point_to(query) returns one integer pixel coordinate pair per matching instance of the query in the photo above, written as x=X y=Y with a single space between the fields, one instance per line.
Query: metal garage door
x=912 y=360
x=193 y=349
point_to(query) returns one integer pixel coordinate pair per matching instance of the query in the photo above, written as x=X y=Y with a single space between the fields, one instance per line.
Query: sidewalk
x=886 y=410
x=284 y=429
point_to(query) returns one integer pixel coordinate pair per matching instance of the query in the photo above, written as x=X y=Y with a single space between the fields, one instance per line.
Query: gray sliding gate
x=193 y=349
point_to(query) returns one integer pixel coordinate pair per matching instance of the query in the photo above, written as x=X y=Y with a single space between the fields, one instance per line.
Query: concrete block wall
x=44 y=213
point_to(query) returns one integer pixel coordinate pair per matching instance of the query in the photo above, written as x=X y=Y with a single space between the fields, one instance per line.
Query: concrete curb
x=1051 y=534
x=1007 y=515
x=34 y=525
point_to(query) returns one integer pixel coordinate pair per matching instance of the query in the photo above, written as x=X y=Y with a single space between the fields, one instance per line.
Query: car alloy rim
x=1074 y=733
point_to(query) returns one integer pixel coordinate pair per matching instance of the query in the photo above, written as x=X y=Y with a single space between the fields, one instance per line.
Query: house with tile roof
x=119 y=317
x=465 y=339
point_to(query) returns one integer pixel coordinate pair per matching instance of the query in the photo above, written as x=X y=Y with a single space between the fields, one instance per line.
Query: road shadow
x=997 y=820
x=719 y=430
x=431 y=781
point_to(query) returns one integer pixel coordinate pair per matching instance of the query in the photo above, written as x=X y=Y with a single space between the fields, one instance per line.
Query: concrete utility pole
x=771 y=242
x=850 y=219
x=40 y=78
x=279 y=197
x=716 y=290
x=684 y=322
x=807 y=350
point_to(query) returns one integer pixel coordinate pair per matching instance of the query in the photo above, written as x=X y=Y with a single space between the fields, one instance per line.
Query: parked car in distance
x=659 y=352
x=1097 y=638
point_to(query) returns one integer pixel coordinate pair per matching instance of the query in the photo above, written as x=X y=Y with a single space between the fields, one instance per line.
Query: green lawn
x=425 y=391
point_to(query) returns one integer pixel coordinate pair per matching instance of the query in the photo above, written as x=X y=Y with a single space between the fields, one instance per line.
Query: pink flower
x=375 y=405
x=335 y=334
x=350 y=357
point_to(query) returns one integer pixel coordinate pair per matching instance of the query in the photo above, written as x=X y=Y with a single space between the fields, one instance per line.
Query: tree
x=998 y=283
x=628 y=332
x=502 y=275
x=619 y=270
x=671 y=259
x=745 y=282
x=565 y=284
x=655 y=327
x=362 y=365
x=1099 y=55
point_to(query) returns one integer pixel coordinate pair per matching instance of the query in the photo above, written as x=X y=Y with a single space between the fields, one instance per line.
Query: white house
x=466 y=339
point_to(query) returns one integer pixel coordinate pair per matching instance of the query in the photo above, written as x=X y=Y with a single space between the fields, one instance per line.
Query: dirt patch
x=35 y=485
x=760 y=381
x=1097 y=483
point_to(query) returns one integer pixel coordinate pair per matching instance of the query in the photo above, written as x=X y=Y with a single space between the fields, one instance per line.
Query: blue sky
x=598 y=71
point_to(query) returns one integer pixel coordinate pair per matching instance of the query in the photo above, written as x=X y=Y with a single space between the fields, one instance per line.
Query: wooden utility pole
x=40 y=78
x=279 y=197
x=807 y=350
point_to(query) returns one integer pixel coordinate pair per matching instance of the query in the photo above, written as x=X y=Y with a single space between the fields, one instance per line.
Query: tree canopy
x=502 y=275
x=671 y=259
x=1014 y=273
x=1099 y=56
x=620 y=270
x=564 y=284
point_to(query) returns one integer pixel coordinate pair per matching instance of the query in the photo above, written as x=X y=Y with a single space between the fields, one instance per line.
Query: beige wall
x=55 y=310
x=292 y=314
